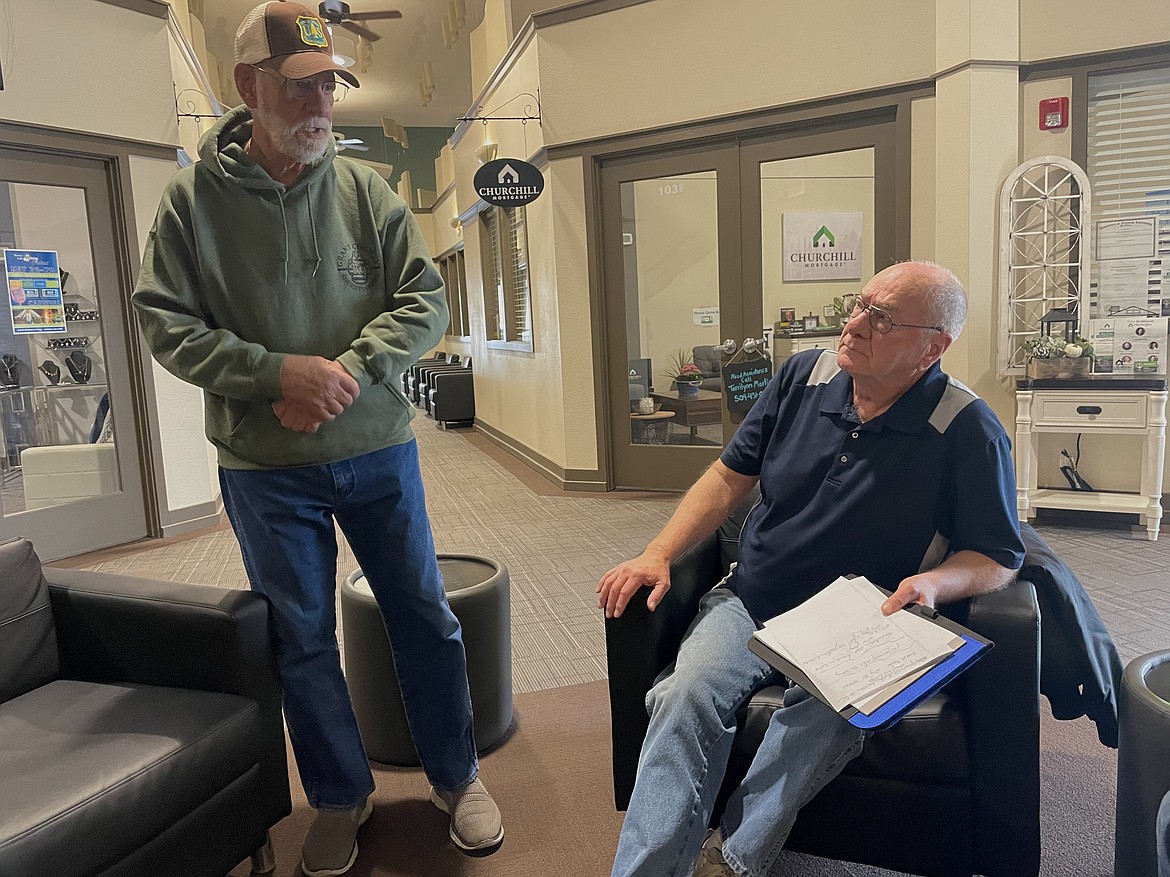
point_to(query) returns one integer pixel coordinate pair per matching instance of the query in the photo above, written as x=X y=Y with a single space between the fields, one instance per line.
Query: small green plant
x=1056 y=347
x=843 y=308
x=683 y=369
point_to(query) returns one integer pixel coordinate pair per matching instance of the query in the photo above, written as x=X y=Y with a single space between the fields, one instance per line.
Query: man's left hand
x=916 y=589
x=295 y=417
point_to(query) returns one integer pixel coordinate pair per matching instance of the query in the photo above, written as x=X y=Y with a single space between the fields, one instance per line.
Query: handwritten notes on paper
x=848 y=649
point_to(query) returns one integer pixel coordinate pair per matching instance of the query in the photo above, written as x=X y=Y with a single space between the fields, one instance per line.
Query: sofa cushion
x=28 y=640
x=99 y=770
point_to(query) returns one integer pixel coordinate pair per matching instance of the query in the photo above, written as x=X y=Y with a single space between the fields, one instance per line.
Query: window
x=1129 y=170
x=506 y=292
x=451 y=267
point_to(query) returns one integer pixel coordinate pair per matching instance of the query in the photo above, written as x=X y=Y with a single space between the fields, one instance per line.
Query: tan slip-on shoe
x=330 y=847
x=476 y=824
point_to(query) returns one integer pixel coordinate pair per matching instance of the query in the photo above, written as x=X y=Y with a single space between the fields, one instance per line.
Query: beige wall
x=670 y=61
x=1059 y=28
x=127 y=53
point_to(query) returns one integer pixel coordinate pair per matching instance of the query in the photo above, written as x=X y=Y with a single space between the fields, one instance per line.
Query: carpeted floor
x=552 y=780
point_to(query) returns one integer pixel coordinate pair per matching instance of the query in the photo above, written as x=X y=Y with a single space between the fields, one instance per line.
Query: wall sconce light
x=426 y=85
x=487 y=153
x=453 y=21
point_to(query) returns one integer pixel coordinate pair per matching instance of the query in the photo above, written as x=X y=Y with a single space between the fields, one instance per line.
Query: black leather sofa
x=451 y=397
x=140 y=725
x=953 y=789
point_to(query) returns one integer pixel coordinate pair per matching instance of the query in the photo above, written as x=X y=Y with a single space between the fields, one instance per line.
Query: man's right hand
x=617 y=586
x=319 y=387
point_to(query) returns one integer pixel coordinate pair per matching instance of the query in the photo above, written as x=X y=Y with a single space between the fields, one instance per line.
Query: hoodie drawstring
x=284 y=219
x=313 y=226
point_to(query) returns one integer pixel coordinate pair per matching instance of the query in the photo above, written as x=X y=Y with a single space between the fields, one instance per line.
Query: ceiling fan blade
x=355 y=146
x=353 y=27
x=374 y=16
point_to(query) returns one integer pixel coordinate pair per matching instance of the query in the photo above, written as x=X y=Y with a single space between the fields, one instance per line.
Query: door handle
x=1088 y=409
x=727 y=348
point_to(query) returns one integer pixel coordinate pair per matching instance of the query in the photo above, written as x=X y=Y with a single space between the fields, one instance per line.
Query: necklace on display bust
x=9 y=370
x=50 y=370
x=80 y=366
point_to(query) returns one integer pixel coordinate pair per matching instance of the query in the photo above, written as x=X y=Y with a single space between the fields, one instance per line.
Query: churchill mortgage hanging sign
x=822 y=246
x=508 y=182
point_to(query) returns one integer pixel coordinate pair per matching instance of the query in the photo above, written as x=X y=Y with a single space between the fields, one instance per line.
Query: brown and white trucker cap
x=293 y=34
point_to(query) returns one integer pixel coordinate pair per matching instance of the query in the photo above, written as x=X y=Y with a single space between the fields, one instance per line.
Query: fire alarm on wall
x=1053 y=113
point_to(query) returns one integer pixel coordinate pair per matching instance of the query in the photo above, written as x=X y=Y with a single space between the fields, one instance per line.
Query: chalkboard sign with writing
x=743 y=382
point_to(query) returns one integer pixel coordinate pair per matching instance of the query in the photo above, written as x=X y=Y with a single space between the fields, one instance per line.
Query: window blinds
x=1129 y=164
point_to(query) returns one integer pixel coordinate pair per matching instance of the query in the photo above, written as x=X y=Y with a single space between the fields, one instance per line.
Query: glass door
x=69 y=473
x=765 y=238
x=672 y=296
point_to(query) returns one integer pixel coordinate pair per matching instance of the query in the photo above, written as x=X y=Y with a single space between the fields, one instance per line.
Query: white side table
x=1107 y=405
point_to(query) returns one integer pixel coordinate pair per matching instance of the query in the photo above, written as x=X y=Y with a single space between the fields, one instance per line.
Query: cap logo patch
x=312 y=33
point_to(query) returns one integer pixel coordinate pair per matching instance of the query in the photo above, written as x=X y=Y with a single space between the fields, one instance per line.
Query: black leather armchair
x=437 y=358
x=421 y=376
x=451 y=398
x=141 y=725
x=963 y=769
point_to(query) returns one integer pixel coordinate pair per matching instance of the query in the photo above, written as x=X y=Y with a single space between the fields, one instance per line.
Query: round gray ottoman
x=1143 y=761
x=478 y=591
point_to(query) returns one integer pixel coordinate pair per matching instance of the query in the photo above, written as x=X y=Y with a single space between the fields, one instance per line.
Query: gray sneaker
x=711 y=863
x=475 y=819
x=330 y=847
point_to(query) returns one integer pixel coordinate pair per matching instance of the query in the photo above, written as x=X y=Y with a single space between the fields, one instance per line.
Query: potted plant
x=1052 y=356
x=686 y=375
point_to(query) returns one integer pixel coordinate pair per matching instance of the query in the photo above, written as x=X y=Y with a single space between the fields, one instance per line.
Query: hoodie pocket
x=235 y=411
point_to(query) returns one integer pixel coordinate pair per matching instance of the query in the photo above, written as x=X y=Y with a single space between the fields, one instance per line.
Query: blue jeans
x=692 y=722
x=283 y=519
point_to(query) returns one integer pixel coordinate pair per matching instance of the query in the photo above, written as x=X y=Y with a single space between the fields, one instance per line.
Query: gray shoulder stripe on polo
x=936 y=552
x=825 y=369
x=954 y=399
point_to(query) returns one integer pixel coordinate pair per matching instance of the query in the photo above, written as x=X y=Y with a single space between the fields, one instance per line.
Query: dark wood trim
x=580 y=10
x=589 y=480
x=66 y=142
x=1149 y=55
x=155 y=8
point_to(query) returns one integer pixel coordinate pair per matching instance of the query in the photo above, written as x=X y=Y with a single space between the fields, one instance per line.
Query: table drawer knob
x=1088 y=409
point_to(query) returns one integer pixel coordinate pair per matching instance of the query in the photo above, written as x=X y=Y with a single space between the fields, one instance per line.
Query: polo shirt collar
x=910 y=414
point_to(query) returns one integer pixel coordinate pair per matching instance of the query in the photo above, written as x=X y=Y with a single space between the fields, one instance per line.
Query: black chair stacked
x=966 y=763
x=444 y=387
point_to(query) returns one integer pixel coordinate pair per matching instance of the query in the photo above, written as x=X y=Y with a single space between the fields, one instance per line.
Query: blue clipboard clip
x=927 y=685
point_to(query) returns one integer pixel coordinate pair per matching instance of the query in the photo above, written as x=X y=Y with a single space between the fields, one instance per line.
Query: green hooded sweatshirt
x=240 y=271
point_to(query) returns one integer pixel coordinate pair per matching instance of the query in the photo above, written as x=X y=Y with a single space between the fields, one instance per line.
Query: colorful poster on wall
x=33 y=278
x=822 y=246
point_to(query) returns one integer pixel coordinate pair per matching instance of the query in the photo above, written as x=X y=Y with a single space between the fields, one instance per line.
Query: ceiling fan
x=354 y=143
x=337 y=13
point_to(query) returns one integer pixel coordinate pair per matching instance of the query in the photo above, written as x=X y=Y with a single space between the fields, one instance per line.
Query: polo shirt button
x=844 y=459
x=855 y=435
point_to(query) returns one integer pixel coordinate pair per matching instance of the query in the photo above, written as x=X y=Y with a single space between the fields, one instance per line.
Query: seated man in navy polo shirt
x=870 y=461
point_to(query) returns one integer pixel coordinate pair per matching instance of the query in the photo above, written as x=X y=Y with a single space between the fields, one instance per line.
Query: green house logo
x=824 y=238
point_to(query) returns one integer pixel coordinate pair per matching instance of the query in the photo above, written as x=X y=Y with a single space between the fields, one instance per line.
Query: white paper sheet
x=847 y=648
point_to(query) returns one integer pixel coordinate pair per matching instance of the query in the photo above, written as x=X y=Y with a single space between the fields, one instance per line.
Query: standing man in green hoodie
x=294 y=288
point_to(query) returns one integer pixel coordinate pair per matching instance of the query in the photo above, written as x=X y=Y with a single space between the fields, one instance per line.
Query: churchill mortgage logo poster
x=508 y=182
x=822 y=246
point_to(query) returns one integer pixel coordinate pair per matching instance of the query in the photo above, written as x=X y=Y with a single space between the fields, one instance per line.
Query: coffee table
x=692 y=411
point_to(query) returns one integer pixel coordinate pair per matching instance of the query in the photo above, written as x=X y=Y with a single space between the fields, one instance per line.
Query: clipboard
x=928 y=684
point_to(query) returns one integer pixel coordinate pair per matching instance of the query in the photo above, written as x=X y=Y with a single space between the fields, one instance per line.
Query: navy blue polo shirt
x=884 y=499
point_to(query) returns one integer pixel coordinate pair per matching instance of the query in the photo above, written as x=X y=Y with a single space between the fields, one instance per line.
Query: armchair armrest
x=641 y=644
x=1003 y=715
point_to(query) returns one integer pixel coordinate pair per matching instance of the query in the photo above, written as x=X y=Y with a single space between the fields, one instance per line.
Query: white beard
x=292 y=141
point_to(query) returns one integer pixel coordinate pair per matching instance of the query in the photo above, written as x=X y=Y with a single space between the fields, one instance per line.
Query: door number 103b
x=672 y=189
